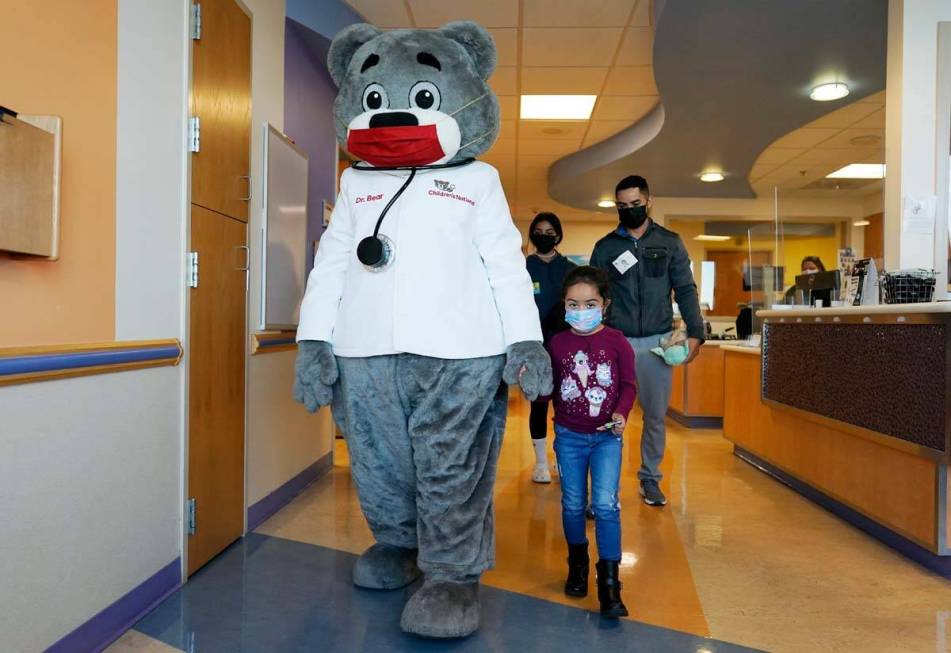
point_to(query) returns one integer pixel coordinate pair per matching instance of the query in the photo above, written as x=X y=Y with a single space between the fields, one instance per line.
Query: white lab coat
x=457 y=287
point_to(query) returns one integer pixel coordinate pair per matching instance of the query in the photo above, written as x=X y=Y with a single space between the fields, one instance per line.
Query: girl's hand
x=619 y=424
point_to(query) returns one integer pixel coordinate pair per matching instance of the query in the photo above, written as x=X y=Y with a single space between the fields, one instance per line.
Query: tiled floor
x=734 y=556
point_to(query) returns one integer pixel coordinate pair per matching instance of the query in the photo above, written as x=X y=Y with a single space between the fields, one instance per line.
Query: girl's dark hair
x=815 y=260
x=590 y=275
x=550 y=218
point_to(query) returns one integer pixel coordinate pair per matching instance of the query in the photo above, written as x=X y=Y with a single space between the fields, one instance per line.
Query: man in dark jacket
x=645 y=262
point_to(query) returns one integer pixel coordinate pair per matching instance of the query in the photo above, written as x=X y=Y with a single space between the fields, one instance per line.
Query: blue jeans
x=601 y=452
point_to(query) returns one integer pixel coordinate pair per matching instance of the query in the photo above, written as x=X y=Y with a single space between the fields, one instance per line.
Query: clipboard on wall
x=30 y=149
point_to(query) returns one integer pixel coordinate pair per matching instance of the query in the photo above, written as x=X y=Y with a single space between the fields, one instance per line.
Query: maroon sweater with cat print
x=594 y=378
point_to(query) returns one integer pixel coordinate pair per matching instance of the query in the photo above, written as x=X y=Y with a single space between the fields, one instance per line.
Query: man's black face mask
x=632 y=217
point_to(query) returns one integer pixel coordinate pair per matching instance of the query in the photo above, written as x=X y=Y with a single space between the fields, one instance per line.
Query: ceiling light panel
x=557 y=107
x=859 y=171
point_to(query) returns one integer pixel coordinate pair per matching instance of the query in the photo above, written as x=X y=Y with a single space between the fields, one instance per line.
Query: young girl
x=594 y=391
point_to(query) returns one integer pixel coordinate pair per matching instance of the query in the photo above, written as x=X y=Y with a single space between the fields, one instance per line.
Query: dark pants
x=538 y=420
x=424 y=437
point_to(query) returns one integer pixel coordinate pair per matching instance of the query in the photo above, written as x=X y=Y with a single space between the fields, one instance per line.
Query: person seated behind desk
x=809 y=265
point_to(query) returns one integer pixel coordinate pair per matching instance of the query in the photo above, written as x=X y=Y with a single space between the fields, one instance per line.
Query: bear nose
x=393 y=119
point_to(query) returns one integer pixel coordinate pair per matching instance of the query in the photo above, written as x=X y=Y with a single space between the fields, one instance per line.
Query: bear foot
x=385 y=567
x=442 y=610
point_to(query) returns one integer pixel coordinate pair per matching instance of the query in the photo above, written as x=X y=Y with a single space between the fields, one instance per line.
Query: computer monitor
x=754 y=277
x=819 y=286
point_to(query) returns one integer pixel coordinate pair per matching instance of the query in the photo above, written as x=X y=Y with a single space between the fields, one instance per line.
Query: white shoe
x=541 y=474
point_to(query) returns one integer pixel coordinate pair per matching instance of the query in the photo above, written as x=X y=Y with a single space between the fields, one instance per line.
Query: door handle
x=247 y=259
x=246 y=198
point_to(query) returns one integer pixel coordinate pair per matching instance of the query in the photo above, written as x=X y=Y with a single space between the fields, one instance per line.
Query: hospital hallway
x=734 y=562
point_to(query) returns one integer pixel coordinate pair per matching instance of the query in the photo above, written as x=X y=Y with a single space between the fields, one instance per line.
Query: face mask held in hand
x=584 y=321
x=632 y=217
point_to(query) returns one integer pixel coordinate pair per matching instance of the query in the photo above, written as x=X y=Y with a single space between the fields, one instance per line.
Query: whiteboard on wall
x=284 y=226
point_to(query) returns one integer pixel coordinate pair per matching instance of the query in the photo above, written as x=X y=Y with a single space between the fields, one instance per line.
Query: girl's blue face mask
x=585 y=320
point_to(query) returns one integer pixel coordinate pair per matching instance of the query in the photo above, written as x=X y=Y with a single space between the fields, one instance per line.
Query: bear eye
x=374 y=97
x=424 y=95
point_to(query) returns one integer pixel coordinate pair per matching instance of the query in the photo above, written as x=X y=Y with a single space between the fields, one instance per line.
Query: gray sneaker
x=651 y=493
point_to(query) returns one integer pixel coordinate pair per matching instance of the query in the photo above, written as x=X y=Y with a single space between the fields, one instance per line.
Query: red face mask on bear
x=409 y=145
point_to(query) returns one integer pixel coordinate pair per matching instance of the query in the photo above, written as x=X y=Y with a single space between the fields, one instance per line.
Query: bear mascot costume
x=418 y=307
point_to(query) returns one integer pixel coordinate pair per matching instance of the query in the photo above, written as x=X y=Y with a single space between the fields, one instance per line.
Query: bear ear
x=344 y=45
x=477 y=42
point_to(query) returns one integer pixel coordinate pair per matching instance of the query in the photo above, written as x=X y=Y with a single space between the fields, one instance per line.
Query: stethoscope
x=373 y=251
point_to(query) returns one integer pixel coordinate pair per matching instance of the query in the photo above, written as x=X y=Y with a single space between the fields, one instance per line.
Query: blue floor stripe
x=279 y=596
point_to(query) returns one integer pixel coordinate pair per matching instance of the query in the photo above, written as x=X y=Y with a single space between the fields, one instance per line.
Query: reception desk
x=849 y=406
x=696 y=398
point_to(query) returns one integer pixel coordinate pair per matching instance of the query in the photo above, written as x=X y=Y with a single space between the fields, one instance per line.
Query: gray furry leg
x=370 y=409
x=385 y=567
x=456 y=426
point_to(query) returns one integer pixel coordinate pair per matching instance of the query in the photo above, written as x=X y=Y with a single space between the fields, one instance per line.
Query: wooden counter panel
x=895 y=488
x=704 y=394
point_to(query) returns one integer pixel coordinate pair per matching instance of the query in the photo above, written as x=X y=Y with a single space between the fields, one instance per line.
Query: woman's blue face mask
x=584 y=320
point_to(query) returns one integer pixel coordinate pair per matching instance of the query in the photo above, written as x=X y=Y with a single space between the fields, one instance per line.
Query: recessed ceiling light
x=607 y=204
x=711 y=239
x=865 y=140
x=711 y=176
x=859 y=171
x=557 y=107
x=827 y=92
x=861 y=223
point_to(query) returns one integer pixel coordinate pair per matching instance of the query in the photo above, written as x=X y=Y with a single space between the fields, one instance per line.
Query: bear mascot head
x=410 y=325
x=414 y=97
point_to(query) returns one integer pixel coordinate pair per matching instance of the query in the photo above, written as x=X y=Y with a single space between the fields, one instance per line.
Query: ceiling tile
x=824 y=155
x=775 y=155
x=602 y=129
x=844 y=117
x=631 y=80
x=552 y=129
x=805 y=137
x=547 y=146
x=572 y=13
x=508 y=107
x=507 y=130
x=489 y=13
x=382 y=13
x=642 y=14
x=535 y=163
x=761 y=170
x=506 y=45
x=636 y=48
x=562 y=81
x=866 y=136
x=504 y=81
x=624 y=108
x=874 y=121
x=877 y=98
x=555 y=46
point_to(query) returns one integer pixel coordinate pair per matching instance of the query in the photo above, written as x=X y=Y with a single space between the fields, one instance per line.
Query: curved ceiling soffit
x=733 y=77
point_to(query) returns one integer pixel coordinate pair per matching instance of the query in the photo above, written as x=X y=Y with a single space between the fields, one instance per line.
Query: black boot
x=609 y=589
x=577 y=582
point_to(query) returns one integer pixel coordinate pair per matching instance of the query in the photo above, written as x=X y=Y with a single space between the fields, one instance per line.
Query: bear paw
x=385 y=567
x=442 y=610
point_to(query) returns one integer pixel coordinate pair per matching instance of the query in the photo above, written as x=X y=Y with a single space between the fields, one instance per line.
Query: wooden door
x=221 y=100
x=728 y=286
x=216 y=384
x=221 y=97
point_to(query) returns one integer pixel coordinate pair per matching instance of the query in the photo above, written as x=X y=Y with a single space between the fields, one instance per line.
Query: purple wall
x=308 y=115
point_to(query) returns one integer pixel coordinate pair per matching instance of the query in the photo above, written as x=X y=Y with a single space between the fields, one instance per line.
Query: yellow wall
x=60 y=59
